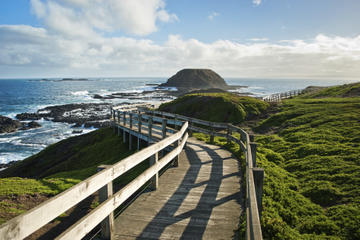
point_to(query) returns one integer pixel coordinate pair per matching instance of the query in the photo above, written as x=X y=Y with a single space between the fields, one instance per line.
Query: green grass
x=311 y=155
x=317 y=146
x=76 y=157
x=60 y=166
x=14 y=187
x=346 y=90
x=216 y=107
x=22 y=186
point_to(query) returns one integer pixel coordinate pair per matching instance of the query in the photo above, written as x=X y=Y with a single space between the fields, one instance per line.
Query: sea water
x=29 y=95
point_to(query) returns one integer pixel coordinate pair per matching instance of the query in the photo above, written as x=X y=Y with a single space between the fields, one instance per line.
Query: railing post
x=189 y=128
x=140 y=122
x=150 y=128
x=164 y=121
x=124 y=118
x=118 y=117
x=155 y=180
x=212 y=134
x=229 y=133
x=130 y=141
x=107 y=225
x=253 y=147
x=259 y=175
x=175 y=120
x=131 y=120
x=176 y=159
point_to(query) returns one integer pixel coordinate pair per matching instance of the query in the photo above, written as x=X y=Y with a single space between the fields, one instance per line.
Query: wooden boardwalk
x=199 y=199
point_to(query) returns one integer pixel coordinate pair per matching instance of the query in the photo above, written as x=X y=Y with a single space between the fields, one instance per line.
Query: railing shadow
x=201 y=213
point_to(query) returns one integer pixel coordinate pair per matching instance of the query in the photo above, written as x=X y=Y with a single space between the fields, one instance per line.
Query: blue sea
x=29 y=95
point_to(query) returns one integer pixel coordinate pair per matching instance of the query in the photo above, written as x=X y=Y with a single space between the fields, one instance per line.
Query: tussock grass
x=216 y=107
x=317 y=146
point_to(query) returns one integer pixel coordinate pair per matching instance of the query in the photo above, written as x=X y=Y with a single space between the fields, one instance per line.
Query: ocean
x=29 y=95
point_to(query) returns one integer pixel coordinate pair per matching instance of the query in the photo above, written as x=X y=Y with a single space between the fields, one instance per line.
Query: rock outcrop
x=189 y=79
x=9 y=125
x=91 y=114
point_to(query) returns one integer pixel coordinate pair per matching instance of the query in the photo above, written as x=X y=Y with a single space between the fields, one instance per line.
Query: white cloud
x=257 y=2
x=33 y=49
x=258 y=39
x=213 y=15
x=84 y=18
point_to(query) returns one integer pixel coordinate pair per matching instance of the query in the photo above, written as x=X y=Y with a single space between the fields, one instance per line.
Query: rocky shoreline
x=83 y=114
x=8 y=125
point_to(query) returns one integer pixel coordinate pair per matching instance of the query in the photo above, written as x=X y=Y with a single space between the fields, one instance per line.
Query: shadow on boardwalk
x=201 y=215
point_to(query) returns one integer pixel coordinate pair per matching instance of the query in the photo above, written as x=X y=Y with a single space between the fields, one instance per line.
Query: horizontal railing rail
x=32 y=220
x=277 y=97
x=254 y=175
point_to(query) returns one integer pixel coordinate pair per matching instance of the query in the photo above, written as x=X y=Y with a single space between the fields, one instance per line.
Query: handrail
x=30 y=221
x=277 y=97
x=254 y=176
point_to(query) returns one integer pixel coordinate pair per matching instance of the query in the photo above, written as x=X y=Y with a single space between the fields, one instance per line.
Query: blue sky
x=237 y=38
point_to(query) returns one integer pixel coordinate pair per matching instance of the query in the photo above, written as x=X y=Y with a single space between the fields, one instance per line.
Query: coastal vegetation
x=57 y=168
x=310 y=151
x=216 y=107
x=309 y=148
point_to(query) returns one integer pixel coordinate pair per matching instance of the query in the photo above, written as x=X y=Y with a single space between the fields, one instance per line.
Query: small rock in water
x=77 y=131
x=30 y=125
x=8 y=125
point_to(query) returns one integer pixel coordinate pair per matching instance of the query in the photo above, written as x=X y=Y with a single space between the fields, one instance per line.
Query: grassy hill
x=312 y=164
x=310 y=150
x=346 y=90
x=58 y=167
x=216 y=107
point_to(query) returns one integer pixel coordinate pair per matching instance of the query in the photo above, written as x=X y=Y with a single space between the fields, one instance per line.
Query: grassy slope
x=78 y=157
x=317 y=146
x=312 y=184
x=346 y=90
x=59 y=167
x=216 y=107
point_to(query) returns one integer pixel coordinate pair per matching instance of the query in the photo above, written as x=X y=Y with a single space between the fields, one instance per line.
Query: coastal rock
x=9 y=125
x=77 y=131
x=196 y=79
x=97 y=96
x=28 y=116
x=80 y=114
x=30 y=125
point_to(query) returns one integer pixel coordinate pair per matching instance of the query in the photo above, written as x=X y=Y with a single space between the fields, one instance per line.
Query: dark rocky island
x=196 y=79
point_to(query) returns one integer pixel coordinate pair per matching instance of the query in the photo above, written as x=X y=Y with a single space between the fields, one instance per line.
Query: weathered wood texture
x=200 y=199
x=253 y=183
x=27 y=223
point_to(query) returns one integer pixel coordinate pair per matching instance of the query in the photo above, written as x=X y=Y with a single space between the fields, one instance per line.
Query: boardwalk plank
x=200 y=199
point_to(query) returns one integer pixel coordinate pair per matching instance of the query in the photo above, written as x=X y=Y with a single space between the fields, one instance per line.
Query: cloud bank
x=73 y=44
x=257 y=2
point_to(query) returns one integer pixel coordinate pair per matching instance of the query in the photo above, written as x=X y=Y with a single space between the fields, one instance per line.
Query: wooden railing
x=132 y=122
x=27 y=223
x=254 y=175
x=277 y=97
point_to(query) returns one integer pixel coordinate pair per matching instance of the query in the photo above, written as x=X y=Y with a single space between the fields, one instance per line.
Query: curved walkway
x=200 y=199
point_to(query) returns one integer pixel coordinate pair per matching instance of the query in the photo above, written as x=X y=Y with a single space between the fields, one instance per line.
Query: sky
x=156 y=38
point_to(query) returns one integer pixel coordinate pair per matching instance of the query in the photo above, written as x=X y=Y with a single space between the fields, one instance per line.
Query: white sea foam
x=9 y=156
x=80 y=93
